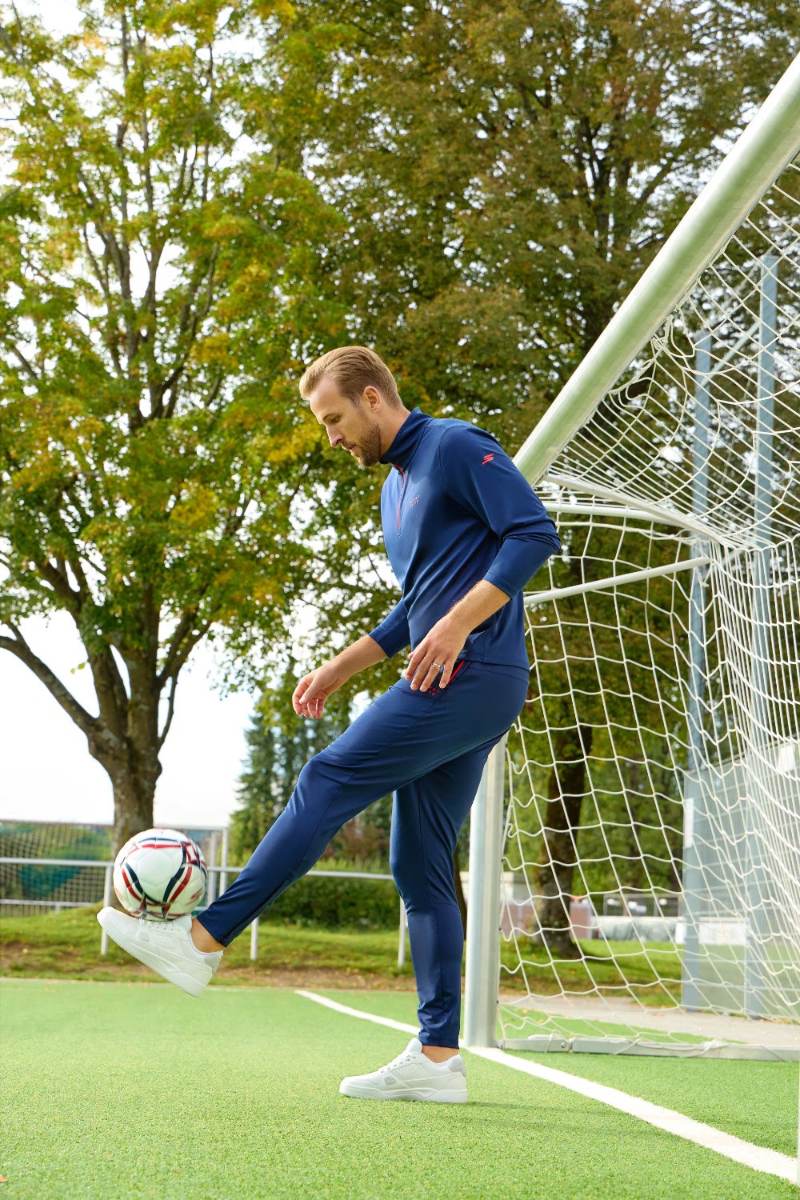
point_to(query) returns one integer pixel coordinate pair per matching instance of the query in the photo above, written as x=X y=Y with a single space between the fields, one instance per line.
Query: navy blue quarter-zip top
x=455 y=509
x=404 y=477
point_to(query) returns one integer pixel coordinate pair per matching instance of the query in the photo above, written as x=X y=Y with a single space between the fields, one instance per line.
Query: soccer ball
x=160 y=873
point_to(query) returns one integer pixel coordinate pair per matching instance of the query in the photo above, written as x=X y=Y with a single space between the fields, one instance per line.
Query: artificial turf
x=753 y=1100
x=122 y=1089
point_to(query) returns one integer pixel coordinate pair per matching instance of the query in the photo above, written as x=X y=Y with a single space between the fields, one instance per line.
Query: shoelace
x=152 y=925
x=405 y=1057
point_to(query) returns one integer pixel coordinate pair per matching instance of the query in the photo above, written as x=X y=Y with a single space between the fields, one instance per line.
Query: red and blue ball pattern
x=160 y=873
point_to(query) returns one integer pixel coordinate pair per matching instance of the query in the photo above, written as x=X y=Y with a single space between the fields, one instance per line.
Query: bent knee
x=323 y=770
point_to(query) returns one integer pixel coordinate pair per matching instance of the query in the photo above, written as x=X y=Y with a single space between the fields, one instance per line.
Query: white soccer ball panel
x=160 y=873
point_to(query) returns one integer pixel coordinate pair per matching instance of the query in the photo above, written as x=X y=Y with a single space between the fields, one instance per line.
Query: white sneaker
x=165 y=946
x=412 y=1076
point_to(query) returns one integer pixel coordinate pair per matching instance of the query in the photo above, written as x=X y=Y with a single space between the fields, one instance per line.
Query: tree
x=470 y=189
x=162 y=283
x=278 y=748
x=505 y=172
x=508 y=171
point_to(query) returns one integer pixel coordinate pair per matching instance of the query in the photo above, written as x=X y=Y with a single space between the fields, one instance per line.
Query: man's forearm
x=360 y=655
x=478 y=604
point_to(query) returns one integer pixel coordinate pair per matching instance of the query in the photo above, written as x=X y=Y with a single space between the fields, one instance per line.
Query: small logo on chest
x=414 y=500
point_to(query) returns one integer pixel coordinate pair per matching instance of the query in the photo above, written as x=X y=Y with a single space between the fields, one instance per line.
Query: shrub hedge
x=335 y=902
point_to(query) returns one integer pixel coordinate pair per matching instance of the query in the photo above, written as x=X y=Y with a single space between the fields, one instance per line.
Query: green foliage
x=278 y=748
x=504 y=173
x=147 y=365
x=165 y=274
x=333 y=903
x=185 y=223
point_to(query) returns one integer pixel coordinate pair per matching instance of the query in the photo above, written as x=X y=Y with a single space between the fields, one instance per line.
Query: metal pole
x=401 y=944
x=694 y=831
x=107 y=885
x=254 y=939
x=223 y=878
x=483 y=909
x=761 y=733
x=759 y=155
x=212 y=879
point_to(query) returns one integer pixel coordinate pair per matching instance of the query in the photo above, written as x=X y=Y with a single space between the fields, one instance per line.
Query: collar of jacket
x=405 y=441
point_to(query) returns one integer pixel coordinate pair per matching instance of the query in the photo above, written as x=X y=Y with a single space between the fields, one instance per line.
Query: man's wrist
x=454 y=622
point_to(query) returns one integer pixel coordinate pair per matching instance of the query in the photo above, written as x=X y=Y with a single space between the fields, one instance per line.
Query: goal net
x=649 y=792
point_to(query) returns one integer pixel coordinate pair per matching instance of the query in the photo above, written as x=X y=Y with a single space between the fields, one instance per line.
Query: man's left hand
x=437 y=651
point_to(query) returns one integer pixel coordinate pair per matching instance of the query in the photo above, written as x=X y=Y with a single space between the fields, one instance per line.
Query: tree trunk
x=559 y=851
x=135 y=769
x=125 y=741
x=133 y=808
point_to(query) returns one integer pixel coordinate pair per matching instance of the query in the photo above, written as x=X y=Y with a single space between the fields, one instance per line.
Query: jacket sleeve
x=393 y=634
x=481 y=477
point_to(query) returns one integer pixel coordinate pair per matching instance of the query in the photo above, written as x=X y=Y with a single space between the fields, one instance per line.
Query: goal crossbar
x=613 y=581
x=756 y=159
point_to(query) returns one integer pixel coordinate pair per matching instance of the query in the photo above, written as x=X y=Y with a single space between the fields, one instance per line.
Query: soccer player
x=464 y=532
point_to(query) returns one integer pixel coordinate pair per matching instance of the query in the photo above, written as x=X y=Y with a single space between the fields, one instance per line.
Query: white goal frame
x=768 y=144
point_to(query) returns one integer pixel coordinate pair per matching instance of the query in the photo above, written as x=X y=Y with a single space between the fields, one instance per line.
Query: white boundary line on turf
x=746 y=1153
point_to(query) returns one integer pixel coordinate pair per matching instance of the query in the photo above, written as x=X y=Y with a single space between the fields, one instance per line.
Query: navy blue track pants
x=429 y=749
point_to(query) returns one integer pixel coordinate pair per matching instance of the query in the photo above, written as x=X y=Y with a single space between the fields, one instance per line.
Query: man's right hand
x=309 y=697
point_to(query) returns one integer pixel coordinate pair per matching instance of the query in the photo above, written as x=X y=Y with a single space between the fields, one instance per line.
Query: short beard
x=370 y=448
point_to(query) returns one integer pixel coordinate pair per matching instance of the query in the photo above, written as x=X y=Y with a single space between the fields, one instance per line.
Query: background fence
x=46 y=867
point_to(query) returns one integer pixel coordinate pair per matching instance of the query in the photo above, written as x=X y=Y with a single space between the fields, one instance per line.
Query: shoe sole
x=187 y=983
x=434 y=1095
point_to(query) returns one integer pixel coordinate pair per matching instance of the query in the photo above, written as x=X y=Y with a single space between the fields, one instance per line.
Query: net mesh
x=52 y=864
x=652 y=841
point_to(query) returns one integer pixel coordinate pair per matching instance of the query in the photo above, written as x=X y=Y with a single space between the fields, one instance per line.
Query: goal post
x=634 y=875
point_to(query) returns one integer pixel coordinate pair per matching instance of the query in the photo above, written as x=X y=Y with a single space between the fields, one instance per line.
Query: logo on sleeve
x=486 y=458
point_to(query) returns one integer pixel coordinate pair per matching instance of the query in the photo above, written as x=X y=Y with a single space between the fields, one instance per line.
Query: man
x=464 y=532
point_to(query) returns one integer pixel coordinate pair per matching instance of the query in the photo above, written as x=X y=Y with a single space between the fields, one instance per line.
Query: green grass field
x=117 y=1085
x=136 y=1090
x=66 y=944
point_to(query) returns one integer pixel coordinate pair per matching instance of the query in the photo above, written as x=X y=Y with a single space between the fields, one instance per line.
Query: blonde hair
x=352 y=368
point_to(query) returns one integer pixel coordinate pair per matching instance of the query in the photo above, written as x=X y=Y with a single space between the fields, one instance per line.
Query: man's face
x=351 y=428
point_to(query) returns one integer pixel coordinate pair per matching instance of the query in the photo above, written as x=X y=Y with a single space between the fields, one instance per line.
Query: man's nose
x=335 y=439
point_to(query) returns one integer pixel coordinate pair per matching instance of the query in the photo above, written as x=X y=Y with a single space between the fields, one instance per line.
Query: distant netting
x=33 y=887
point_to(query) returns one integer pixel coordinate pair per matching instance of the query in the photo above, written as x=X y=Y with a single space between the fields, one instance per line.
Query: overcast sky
x=47 y=773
